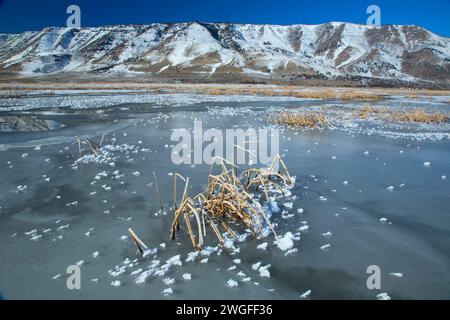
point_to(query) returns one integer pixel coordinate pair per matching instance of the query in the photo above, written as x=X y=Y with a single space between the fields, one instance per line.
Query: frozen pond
x=364 y=195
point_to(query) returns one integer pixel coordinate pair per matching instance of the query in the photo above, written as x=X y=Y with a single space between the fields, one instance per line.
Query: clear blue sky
x=22 y=15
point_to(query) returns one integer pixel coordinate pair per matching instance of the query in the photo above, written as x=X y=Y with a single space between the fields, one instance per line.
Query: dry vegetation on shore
x=291 y=91
x=324 y=117
x=19 y=88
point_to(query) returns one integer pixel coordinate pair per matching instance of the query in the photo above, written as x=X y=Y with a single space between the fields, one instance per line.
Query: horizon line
x=225 y=22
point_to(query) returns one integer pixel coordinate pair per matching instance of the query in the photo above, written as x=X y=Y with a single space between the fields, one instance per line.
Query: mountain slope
x=219 y=50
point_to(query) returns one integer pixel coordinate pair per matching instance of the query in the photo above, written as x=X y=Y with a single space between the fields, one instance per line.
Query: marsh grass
x=291 y=91
x=416 y=115
x=310 y=119
x=227 y=200
x=328 y=117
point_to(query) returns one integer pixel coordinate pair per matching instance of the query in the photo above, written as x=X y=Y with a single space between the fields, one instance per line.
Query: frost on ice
x=383 y=296
x=305 y=294
x=232 y=283
x=286 y=242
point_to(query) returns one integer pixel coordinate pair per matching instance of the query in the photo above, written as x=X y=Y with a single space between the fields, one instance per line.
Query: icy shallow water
x=366 y=199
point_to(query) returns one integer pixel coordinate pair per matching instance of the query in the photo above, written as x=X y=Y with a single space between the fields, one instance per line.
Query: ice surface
x=95 y=220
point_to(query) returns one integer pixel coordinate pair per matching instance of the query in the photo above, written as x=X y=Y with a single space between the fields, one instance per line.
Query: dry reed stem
x=157 y=191
x=95 y=148
x=138 y=242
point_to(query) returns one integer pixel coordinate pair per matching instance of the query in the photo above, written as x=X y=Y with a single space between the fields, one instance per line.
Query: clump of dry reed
x=227 y=200
x=308 y=119
x=419 y=115
x=407 y=115
x=93 y=147
x=367 y=110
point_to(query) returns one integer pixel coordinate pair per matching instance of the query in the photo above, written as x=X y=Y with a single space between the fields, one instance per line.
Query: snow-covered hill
x=223 y=50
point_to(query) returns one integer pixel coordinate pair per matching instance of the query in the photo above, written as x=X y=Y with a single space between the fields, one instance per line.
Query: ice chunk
x=143 y=276
x=305 y=294
x=191 y=256
x=21 y=188
x=116 y=283
x=262 y=246
x=396 y=274
x=256 y=265
x=175 y=260
x=167 y=291
x=136 y=272
x=264 y=273
x=383 y=296
x=75 y=203
x=288 y=205
x=36 y=237
x=62 y=227
x=187 y=276
x=303 y=228
x=80 y=263
x=232 y=283
x=291 y=251
x=286 y=242
x=168 y=281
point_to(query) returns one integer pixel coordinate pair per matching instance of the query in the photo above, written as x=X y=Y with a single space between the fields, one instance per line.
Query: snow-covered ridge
x=329 y=50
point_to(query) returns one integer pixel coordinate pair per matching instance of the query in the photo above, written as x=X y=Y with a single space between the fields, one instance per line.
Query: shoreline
x=23 y=86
